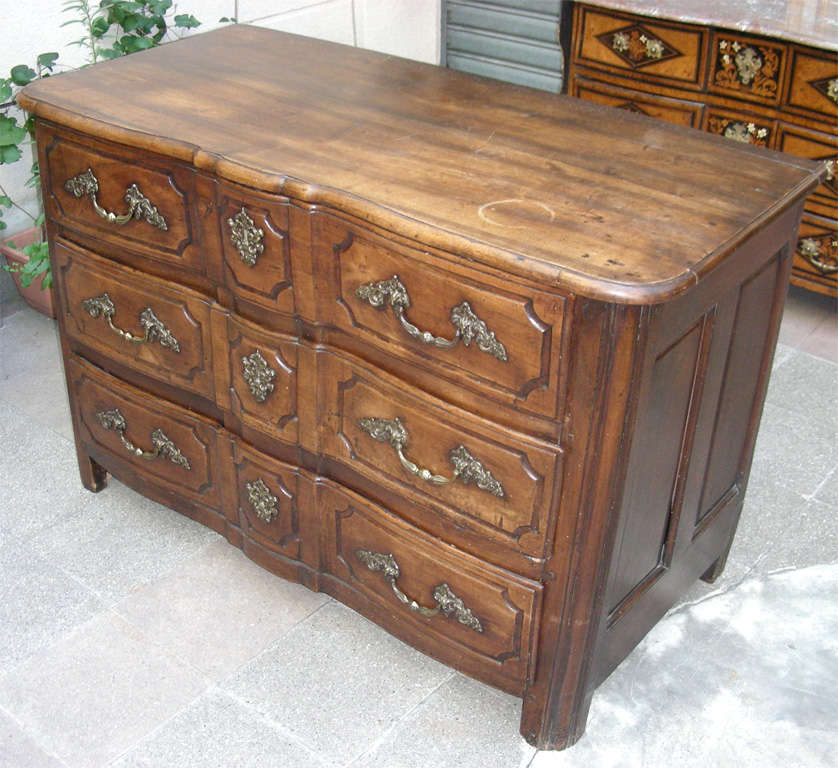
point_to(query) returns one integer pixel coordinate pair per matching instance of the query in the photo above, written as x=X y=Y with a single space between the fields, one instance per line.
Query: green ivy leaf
x=130 y=44
x=3 y=225
x=5 y=90
x=11 y=133
x=187 y=21
x=5 y=202
x=21 y=74
x=47 y=60
x=99 y=27
x=110 y=53
x=9 y=155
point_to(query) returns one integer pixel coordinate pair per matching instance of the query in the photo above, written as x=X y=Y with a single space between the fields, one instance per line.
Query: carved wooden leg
x=94 y=477
x=718 y=565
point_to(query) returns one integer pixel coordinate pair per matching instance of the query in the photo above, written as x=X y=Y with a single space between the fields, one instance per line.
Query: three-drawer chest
x=482 y=363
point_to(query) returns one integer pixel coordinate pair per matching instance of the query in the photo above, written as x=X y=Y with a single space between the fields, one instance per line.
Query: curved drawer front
x=470 y=331
x=816 y=255
x=261 y=379
x=813 y=84
x=457 y=475
x=817 y=146
x=254 y=244
x=170 y=446
x=458 y=607
x=148 y=200
x=136 y=320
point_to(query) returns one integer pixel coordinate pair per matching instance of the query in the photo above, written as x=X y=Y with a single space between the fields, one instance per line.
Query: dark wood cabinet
x=483 y=363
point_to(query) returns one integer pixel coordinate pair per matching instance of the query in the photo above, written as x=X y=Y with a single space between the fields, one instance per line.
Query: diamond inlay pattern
x=637 y=47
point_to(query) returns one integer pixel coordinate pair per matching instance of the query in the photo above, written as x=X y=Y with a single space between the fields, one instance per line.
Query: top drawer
x=121 y=197
x=459 y=331
x=813 y=84
x=626 y=44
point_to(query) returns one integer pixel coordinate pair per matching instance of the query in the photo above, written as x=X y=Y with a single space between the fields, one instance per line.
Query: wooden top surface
x=812 y=22
x=598 y=200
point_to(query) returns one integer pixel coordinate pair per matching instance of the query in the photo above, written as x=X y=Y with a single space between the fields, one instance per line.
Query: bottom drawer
x=467 y=613
x=171 y=447
x=816 y=257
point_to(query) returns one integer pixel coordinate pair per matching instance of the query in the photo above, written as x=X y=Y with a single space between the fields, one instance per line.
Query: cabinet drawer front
x=817 y=146
x=487 y=482
x=103 y=301
x=254 y=244
x=816 y=256
x=170 y=446
x=747 y=67
x=813 y=82
x=495 y=339
x=87 y=183
x=490 y=630
x=672 y=110
x=261 y=379
x=741 y=126
x=629 y=44
x=269 y=507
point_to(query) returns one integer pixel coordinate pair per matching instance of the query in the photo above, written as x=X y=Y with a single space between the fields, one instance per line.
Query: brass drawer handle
x=163 y=447
x=468 y=326
x=139 y=206
x=812 y=248
x=467 y=469
x=262 y=500
x=154 y=328
x=446 y=601
x=258 y=375
x=246 y=237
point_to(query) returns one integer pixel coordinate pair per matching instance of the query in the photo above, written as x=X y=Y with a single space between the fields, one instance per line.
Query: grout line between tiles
x=383 y=737
x=23 y=730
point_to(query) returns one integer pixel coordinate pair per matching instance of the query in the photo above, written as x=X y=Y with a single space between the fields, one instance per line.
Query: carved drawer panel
x=459 y=329
x=813 y=82
x=663 y=52
x=741 y=126
x=273 y=500
x=259 y=379
x=122 y=198
x=253 y=229
x=747 y=67
x=672 y=110
x=172 y=448
x=453 y=472
x=454 y=605
x=817 y=146
x=150 y=326
x=816 y=257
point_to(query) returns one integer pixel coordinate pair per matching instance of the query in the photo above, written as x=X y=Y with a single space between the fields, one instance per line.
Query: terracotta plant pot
x=34 y=296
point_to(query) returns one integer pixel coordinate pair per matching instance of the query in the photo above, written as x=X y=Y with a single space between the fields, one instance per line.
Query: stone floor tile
x=744 y=678
x=782 y=354
x=215 y=731
x=463 y=723
x=804 y=312
x=823 y=340
x=46 y=404
x=812 y=539
x=794 y=449
x=18 y=750
x=38 y=603
x=117 y=541
x=218 y=609
x=828 y=490
x=98 y=691
x=806 y=384
x=337 y=682
x=28 y=344
x=39 y=478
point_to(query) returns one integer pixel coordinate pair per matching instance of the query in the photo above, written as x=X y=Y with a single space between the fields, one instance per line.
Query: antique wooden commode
x=483 y=363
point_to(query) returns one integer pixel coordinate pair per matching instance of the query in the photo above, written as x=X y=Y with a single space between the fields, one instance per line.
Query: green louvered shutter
x=513 y=41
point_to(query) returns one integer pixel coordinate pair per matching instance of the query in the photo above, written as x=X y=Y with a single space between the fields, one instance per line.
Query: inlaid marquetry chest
x=483 y=363
x=766 y=76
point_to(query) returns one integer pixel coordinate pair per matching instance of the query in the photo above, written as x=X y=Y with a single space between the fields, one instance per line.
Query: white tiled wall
x=409 y=28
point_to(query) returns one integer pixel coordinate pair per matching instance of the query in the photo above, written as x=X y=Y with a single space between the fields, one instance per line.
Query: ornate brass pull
x=446 y=601
x=246 y=237
x=812 y=249
x=467 y=469
x=155 y=330
x=163 y=447
x=258 y=375
x=468 y=326
x=139 y=206
x=262 y=500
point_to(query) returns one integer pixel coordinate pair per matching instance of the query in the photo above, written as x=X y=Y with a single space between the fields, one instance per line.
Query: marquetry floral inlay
x=747 y=133
x=827 y=87
x=750 y=68
x=637 y=46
